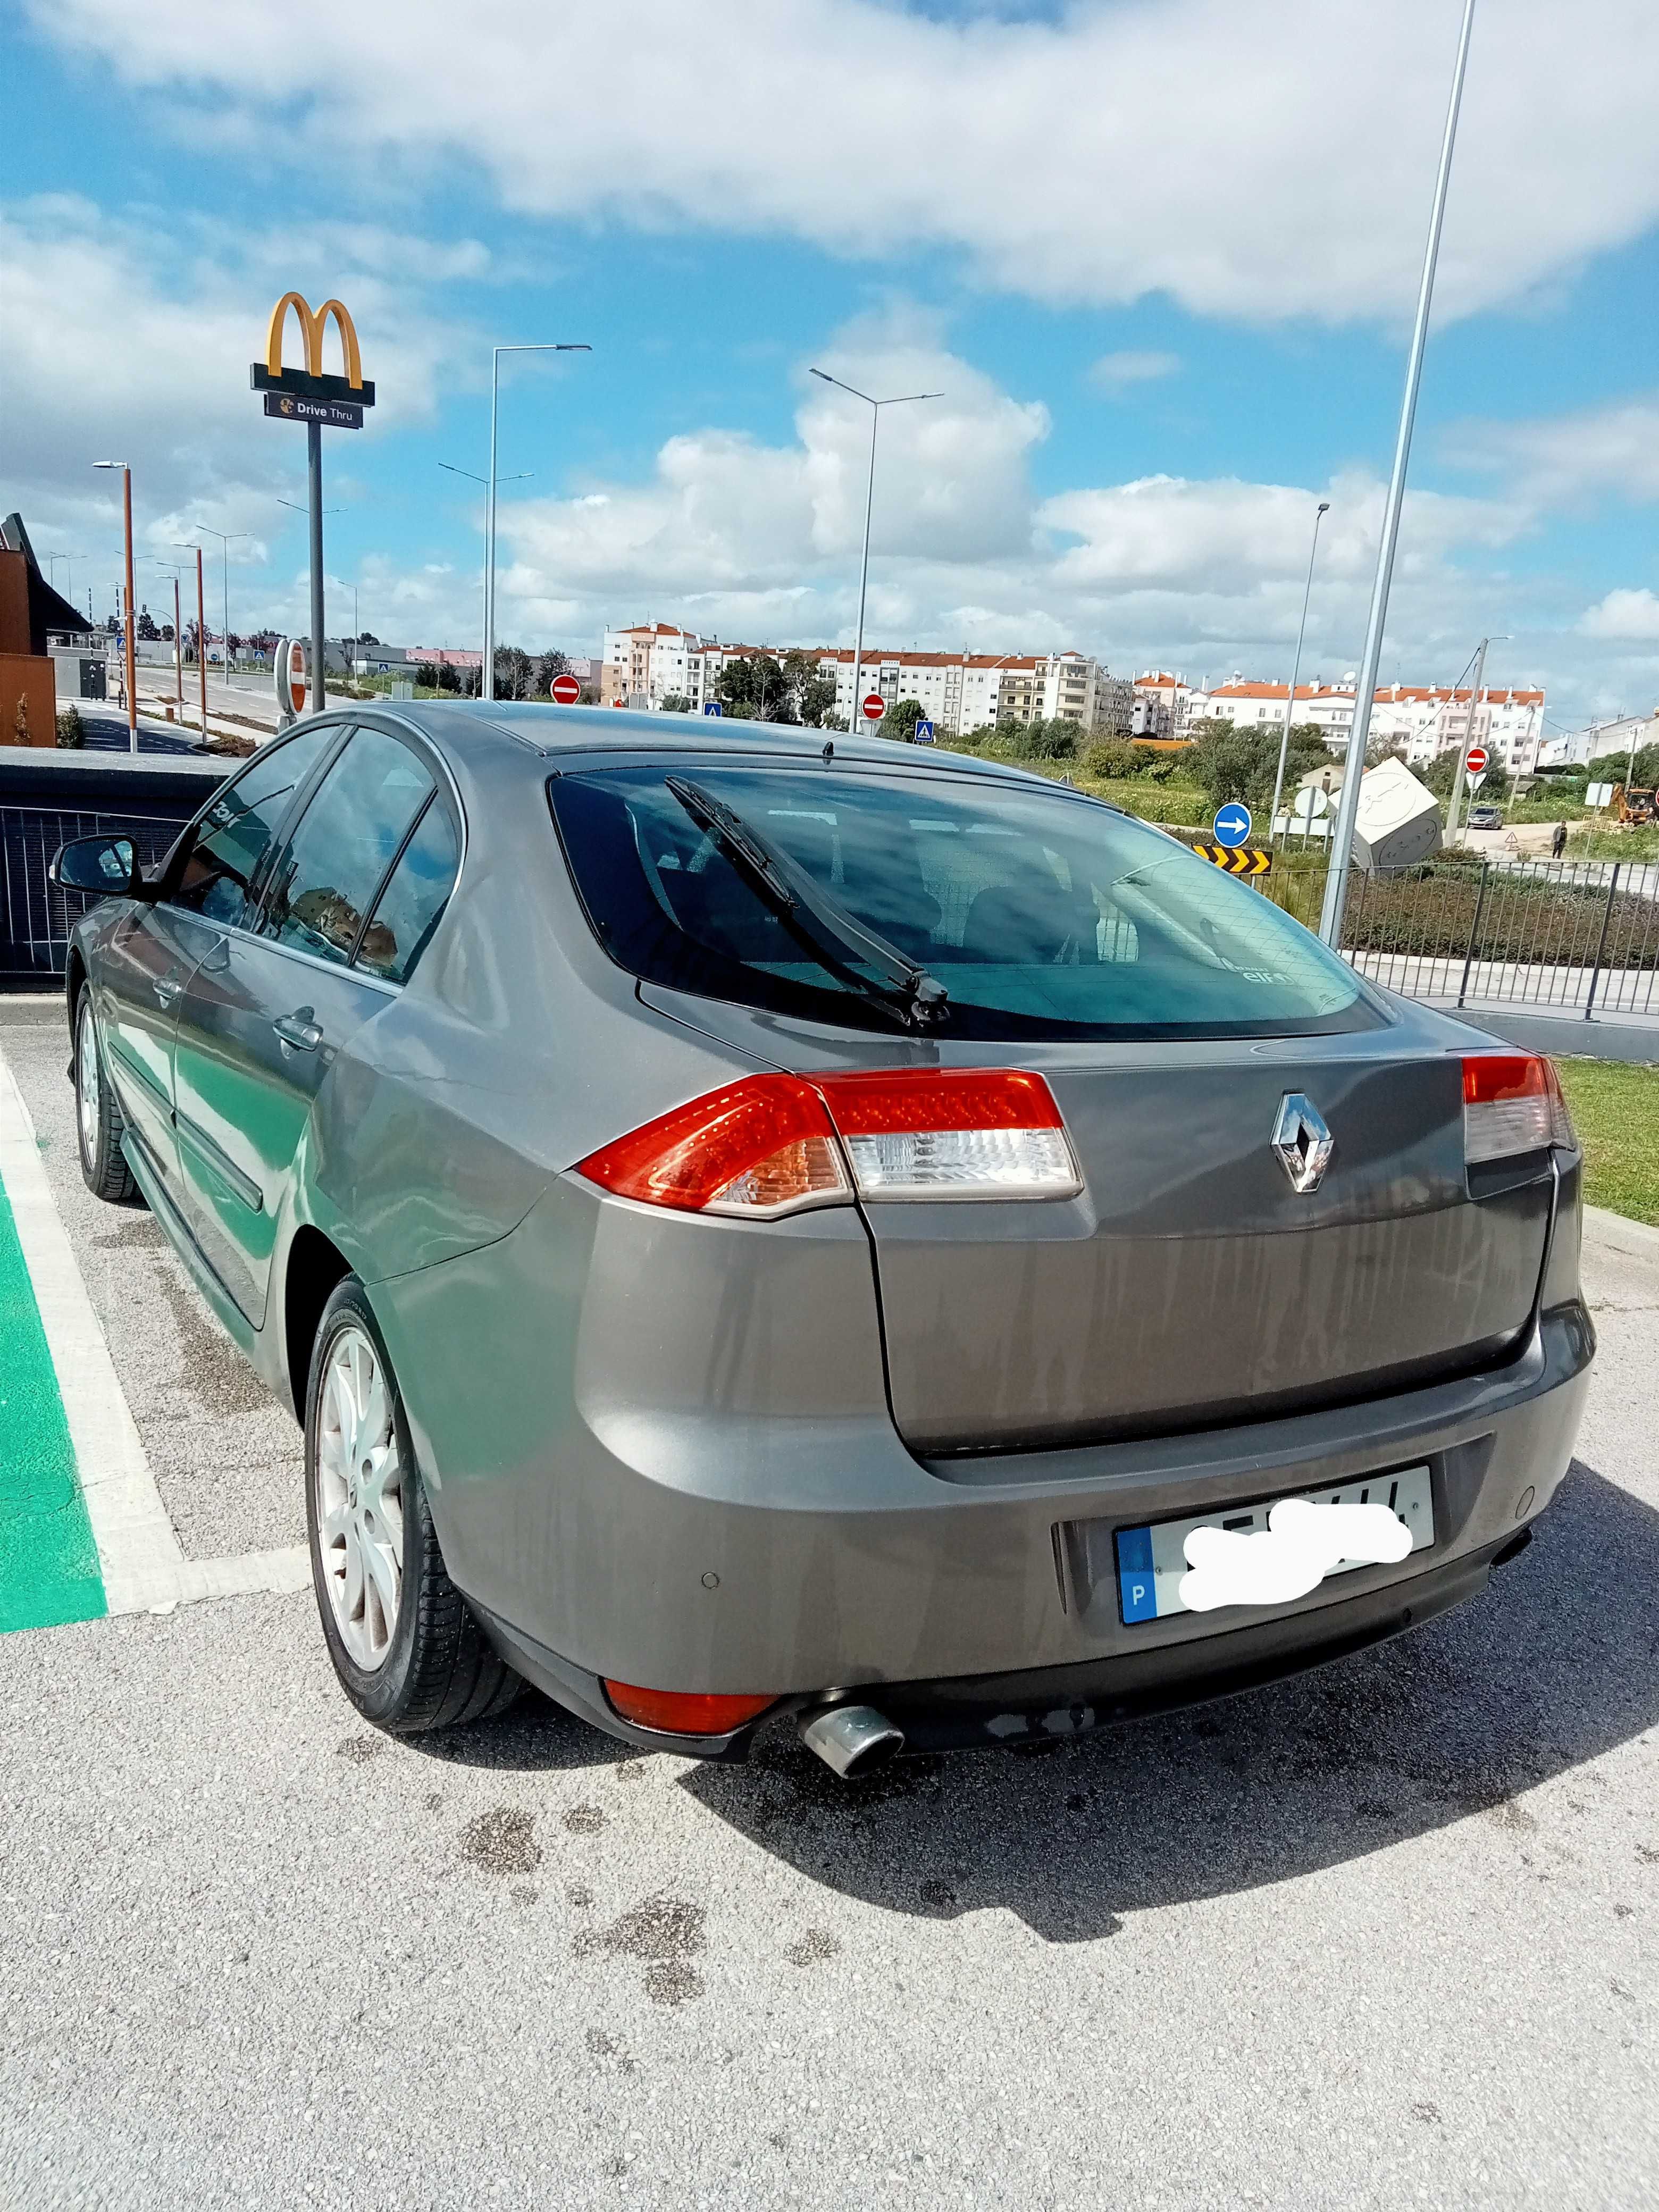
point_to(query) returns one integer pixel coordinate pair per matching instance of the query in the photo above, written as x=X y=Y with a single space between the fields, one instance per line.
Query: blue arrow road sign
x=924 y=733
x=1232 y=825
x=714 y=707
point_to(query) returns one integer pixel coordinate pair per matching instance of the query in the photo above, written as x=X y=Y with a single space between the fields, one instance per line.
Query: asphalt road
x=1385 y=1937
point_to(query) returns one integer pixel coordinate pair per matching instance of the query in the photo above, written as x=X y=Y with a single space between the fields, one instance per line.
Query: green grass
x=1613 y=845
x=1615 y=1109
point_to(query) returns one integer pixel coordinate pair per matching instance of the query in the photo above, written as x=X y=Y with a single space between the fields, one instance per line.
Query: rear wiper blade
x=830 y=932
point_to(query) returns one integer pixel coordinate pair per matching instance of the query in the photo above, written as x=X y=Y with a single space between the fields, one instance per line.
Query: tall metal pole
x=1320 y=512
x=1463 y=768
x=201 y=630
x=314 y=472
x=487 y=684
x=177 y=646
x=1336 y=880
x=855 y=705
x=133 y=649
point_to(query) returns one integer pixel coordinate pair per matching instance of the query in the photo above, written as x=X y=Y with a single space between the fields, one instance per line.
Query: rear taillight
x=774 y=1144
x=962 y=1133
x=757 y=1148
x=1512 y=1103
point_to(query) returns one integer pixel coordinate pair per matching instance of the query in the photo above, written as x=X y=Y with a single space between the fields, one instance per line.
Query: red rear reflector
x=761 y=1146
x=680 y=1712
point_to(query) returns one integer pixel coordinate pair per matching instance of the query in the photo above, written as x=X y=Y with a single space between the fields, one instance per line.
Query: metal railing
x=35 y=919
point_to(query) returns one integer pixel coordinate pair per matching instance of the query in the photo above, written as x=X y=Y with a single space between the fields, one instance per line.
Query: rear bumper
x=1047 y=1703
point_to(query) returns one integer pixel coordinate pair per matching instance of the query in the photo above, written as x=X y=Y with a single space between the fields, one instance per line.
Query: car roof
x=548 y=731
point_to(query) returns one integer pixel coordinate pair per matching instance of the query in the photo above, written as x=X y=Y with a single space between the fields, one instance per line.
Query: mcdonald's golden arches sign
x=309 y=392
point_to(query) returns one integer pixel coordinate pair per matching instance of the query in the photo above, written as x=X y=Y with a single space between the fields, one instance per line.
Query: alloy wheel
x=359 y=1480
x=87 y=1093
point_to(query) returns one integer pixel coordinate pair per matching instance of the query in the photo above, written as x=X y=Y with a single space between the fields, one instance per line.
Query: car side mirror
x=107 y=867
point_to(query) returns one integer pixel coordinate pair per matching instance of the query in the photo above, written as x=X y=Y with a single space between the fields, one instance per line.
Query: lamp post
x=1320 y=512
x=131 y=657
x=1336 y=878
x=225 y=541
x=178 y=636
x=904 y=399
x=201 y=629
x=487 y=686
x=1462 y=768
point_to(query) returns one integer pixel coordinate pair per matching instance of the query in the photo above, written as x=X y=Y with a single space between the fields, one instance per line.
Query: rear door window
x=325 y=880
x=1044 y=915
x=417 y=893
x=219 y=874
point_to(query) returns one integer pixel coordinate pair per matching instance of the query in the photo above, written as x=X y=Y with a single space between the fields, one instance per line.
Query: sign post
x=306 y=395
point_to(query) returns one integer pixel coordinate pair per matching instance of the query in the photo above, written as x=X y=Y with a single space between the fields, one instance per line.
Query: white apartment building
x=1424 y=721
x=649 y=663
x=1163 y=704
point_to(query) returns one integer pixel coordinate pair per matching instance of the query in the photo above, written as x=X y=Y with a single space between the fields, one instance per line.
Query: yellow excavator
x=1633 y=808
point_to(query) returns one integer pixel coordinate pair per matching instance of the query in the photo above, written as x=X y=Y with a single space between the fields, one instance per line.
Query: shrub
x=71 y=729
x=1156 y=767
x=1112 y=762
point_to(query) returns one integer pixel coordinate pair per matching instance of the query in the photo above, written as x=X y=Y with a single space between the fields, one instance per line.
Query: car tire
x=98 y=1119
x=408 y=1650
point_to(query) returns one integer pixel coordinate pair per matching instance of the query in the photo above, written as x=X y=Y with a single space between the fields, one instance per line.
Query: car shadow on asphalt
x=1557 y=1661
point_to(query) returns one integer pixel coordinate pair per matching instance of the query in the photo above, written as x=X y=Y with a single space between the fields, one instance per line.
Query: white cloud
x=1622 y=614
x=869 y=129
x=1115 y=373
x=1567 y=459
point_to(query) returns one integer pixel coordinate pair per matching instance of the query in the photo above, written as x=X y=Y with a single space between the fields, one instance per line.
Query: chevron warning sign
x=1238 y=860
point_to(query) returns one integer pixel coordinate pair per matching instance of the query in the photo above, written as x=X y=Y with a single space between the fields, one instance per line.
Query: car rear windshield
x=1043 y=914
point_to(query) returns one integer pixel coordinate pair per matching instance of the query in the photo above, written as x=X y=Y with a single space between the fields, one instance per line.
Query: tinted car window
x=1043 y=913
x=220 y=873
x=417 y=893
x=325 y=879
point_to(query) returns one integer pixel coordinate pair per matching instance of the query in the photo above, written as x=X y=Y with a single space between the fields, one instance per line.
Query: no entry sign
x=566 y=690
x=1477 y=762
x=875 y=706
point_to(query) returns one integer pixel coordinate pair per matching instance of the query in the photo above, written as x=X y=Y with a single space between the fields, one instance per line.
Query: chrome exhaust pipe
x=851 y=1740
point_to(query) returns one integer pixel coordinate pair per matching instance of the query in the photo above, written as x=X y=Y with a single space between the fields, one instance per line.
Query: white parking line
x=142 y=1565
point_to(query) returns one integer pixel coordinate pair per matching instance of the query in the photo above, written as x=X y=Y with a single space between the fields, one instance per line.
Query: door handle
x=167 y=989
x=299 y=1029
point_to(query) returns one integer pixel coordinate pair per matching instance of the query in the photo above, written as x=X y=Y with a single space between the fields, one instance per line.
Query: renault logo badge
x=1301 y=1141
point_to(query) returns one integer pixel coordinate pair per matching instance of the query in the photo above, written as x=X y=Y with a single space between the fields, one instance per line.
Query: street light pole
x=1336 y=879
x=487 y=685
x=132 y=656
x=875 y=406
x=1320 y=512
x=1462 y=770
x=225 y=541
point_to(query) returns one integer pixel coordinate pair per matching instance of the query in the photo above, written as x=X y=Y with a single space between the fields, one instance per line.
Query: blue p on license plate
x=1151 y=1559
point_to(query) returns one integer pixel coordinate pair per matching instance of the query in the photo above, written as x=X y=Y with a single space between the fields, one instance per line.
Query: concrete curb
x=1637 y=1237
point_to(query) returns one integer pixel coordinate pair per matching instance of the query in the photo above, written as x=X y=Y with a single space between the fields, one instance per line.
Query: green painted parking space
x=48 y=1561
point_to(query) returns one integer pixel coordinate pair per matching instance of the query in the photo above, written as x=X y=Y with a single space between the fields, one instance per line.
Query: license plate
x=1151 y=1559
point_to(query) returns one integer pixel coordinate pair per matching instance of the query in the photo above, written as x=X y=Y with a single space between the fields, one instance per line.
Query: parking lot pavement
x=1386 y=1935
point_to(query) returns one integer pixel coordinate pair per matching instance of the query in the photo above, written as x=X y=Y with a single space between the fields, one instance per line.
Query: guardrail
x=35 y=919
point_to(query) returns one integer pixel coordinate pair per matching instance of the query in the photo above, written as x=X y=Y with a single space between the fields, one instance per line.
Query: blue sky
x=1165 y=297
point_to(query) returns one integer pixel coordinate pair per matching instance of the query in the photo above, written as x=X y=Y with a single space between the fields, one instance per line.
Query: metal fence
x=35 y=919
x=1580 y=934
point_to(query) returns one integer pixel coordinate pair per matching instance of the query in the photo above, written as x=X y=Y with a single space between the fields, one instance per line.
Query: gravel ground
x=1386 y=1935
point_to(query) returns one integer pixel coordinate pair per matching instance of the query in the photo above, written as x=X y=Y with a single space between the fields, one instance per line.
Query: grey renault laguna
x=756 y=1224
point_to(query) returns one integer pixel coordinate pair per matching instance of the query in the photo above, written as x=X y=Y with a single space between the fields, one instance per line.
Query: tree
x=900 y=721
x=514 y=672
x=1614 y=768
x=756 y=687
x=813 y=694
x=547 y=667
x=146 y=627
x=676 y=702
x=1228 y=764
x=1112 y=762
x=167 y=633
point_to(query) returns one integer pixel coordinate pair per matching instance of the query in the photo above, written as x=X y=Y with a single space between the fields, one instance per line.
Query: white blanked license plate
x=1151 y=1559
